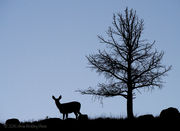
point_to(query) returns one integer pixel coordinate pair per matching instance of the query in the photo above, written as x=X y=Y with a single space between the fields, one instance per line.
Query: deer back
x=70 y=107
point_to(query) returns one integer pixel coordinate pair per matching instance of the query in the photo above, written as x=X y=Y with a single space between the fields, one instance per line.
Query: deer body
x=66 y=108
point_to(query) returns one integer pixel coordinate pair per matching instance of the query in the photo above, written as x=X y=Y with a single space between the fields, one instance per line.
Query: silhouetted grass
x=168 y=118
x=92 y=123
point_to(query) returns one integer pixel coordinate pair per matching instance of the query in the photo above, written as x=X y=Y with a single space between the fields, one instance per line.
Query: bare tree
x=130 y=63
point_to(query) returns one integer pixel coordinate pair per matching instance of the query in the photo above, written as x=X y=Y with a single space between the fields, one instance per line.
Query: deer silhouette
x=70 y=107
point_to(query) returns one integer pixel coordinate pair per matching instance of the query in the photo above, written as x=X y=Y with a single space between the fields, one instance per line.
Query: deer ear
x=60 y=97
x=53 y=97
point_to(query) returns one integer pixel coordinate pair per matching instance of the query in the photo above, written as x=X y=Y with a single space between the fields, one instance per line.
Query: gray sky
x=43 y=44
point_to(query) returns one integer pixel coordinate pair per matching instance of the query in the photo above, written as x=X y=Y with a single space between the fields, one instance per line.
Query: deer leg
x=66 y=115
x=79 y=113
x=76 y=114
x=63 y=116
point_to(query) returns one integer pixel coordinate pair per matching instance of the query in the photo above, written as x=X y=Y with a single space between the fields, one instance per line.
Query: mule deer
x=66 y=108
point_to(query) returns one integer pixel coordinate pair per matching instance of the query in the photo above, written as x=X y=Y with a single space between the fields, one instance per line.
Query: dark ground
x=98 y=124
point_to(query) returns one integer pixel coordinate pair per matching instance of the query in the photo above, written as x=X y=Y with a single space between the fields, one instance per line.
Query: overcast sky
x=43 y=44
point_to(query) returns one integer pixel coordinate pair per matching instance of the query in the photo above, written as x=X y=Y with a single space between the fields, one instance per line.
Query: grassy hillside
x=168 y=118
x=98 y=123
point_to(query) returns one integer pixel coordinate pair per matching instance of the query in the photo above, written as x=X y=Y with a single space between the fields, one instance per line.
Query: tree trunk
x=129 y=85
x=130 y=105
